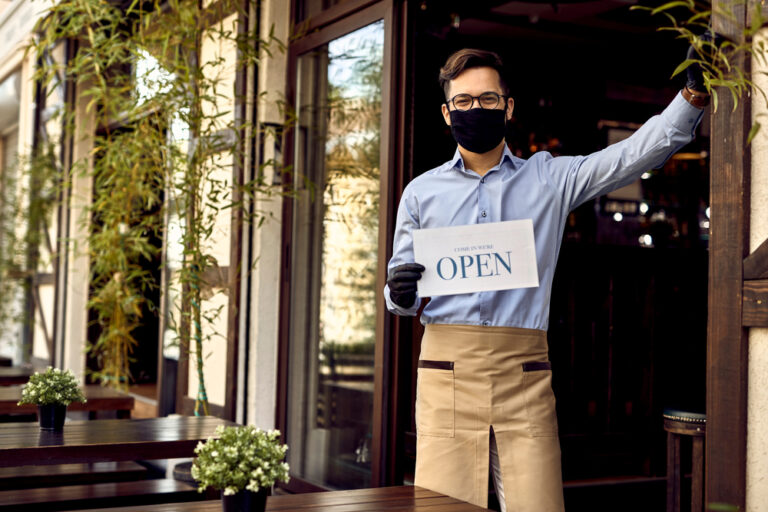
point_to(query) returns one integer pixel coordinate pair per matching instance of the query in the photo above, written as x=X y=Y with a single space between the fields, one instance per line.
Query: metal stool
x=677 y=424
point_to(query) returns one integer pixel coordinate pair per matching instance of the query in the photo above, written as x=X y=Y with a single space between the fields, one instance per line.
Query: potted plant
x=243 y=462
x=52 y=391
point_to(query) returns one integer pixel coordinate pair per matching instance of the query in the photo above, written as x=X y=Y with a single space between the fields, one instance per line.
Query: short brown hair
x=471 y=58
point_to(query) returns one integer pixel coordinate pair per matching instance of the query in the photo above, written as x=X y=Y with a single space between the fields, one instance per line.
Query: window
x=335 y=259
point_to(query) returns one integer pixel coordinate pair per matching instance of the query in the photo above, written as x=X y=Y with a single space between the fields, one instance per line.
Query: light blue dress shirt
x=543 y=188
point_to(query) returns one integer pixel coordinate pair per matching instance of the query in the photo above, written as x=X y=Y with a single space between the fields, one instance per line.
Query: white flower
x=50 y=387
x=241 y=458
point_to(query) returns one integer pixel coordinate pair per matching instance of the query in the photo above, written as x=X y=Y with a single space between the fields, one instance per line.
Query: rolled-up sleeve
x=585 y=177
x=402 y=247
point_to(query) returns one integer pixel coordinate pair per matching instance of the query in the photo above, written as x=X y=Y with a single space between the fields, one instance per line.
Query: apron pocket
x=539 y=399
x=435 y=399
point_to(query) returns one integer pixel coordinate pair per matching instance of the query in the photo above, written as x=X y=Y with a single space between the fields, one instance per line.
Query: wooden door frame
x=738 y=285
x=328 y=25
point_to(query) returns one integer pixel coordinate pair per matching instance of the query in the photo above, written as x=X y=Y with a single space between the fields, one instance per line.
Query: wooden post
x=727 y=342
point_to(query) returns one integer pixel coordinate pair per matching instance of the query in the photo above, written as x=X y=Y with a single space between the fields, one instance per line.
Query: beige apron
x=472 y=379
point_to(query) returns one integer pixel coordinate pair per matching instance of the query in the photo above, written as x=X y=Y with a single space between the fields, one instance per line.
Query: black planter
x=52 y=416
x=246 y=501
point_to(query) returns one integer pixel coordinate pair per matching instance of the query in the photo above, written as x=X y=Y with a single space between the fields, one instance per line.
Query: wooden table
x=105 y=440
x=382 y=499
x=15 y=375
x=98 y=398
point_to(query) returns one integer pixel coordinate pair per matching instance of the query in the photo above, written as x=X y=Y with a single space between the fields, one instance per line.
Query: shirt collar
x=457 y=162
x=507 y=161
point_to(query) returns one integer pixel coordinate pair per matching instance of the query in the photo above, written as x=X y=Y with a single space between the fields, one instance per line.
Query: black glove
x=695 y=81
x=402 y=283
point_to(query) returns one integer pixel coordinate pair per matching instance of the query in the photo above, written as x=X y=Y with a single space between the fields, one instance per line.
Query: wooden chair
x=679 y=424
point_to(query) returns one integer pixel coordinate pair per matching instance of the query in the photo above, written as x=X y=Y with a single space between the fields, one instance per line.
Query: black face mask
x=478 y=130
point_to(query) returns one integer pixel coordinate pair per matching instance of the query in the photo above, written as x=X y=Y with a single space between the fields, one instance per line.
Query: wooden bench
x=28 y=477
x=100 y=399
x=15 y=375
x=73 y=497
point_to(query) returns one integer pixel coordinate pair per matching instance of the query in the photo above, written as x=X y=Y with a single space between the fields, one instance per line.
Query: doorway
x=628 y=311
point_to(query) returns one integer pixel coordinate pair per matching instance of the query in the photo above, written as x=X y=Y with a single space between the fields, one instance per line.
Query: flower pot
x=246 y=501
x=52 y=416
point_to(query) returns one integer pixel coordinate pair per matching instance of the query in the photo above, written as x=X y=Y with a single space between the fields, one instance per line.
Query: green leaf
x=683 y=66
x=672 y=20
x=753 y=131
x=703 y=15
x=735 y=96
x=672 y=5
x=722 y=56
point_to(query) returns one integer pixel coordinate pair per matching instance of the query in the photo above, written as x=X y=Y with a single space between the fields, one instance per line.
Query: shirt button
x=483 y=213
x=486 y=323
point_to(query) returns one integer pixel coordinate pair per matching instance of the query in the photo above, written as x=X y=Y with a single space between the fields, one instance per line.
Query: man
x=484 y=396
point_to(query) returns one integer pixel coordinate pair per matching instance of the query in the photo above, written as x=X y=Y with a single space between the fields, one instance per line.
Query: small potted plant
x=52 y=391
x=243 y=462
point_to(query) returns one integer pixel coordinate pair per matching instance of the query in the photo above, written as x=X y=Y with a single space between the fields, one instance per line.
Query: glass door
x=335 y=259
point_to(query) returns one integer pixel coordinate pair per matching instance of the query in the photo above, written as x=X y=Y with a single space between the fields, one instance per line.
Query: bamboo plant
x=164 y=139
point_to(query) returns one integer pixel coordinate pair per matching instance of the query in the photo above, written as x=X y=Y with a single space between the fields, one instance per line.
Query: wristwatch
x=697 y=99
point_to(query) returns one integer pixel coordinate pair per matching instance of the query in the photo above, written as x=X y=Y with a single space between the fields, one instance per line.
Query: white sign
x=476 y=258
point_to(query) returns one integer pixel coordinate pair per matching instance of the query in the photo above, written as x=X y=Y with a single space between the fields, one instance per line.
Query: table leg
x=673 y=472
x=697 y=475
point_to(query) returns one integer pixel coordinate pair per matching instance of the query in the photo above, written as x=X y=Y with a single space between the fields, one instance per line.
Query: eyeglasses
x=488 y=100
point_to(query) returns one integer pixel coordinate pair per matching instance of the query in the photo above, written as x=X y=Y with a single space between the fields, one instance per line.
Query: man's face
x=476 y=81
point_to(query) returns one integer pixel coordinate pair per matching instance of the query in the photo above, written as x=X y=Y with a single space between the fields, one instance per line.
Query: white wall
x=17 y=19
x=11 y=61
x=265 y=252
x=757 y=394
x=72 y=354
